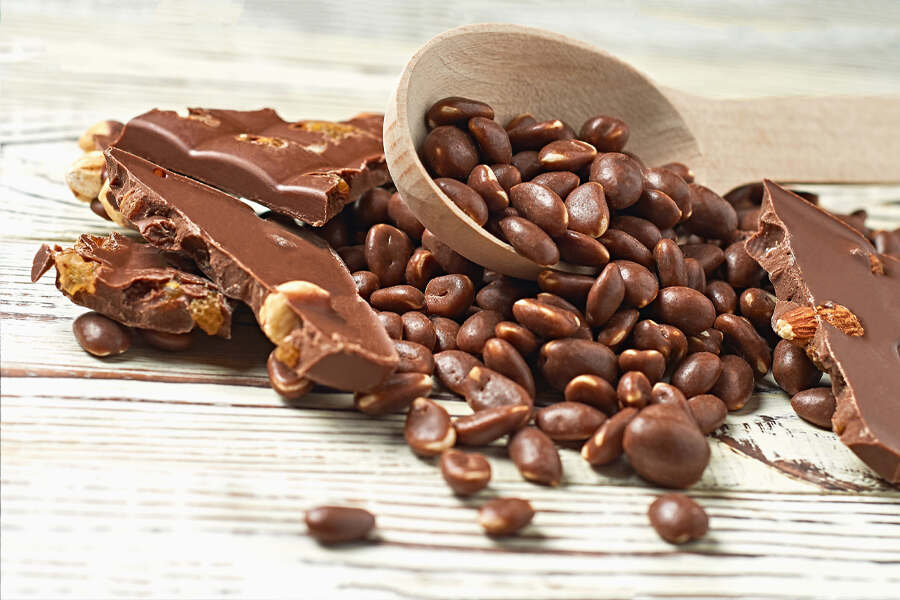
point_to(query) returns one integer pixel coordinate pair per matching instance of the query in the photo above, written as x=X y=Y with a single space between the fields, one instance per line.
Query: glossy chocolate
x=135 y=284
x=813 y=258
x=307 y=170
x=298 y=288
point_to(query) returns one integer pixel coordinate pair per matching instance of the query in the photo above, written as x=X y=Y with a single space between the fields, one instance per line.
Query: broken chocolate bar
x=848 y=317
x=308 y=170
x=298 y=288
x=135 y=284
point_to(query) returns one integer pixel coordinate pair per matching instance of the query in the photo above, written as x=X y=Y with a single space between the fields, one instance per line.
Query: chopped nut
x=875 y=264
x=83 y=177
x=112 y=211
x=207 y=313
x=278 y=319
x=196 y=114
x=841 y=317
x=331 y=131
x=800 y=324
x=75 y=273
x=101 y=128
x=262 y=140
x=287 y=354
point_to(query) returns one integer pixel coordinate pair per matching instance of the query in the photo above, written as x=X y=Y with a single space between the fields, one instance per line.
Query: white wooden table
x=185 y=476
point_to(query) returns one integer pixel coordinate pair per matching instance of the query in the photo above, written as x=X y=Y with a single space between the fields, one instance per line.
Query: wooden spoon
x=726 y=142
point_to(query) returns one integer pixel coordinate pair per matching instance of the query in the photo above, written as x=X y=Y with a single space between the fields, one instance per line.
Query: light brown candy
x=449 y=295
x=485 y=388
x=501 y=356
x=541 y=206
x=605 y=296
x=634 y=390
x=394 y=394
x=620 y=176
x=697 y=373
x=505 y=516
x=468 y=200
x=428 y=430
x=414 y=358
x=449 y=152
x=492 y=139
x=339 y=524
x=100 y=336
x=566 y=155
x=607 y=134
x=562 y=360
x=529 y=240
x=605 y=445
x=544 y=319
x=569 y=421
x=561 y=182
x=456 y=110
x=465 y=472
x=452 y=367
x=535 y=455
x=665 y=446
x=485 y=426
x=476 y=330
x=735 y=385
x=678 y=519
x=593 y=391
x=649 y=362
x=484 y=181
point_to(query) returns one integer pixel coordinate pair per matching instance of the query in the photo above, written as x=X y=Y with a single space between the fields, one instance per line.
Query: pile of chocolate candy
x=642 y=358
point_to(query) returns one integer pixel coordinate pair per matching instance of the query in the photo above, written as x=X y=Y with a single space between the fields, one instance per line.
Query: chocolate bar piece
x=851 y=321
x=308 y=170
x=301 y=293
x=135 y=284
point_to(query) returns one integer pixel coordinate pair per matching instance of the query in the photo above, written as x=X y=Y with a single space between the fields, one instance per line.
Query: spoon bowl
x=521 y=69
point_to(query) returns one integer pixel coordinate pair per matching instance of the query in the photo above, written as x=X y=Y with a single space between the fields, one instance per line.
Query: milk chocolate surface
x=814 y=258
x=135 y=284
x=307 y=170
x=323 y=331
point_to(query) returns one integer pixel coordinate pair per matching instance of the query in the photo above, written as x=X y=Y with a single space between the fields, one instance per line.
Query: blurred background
x=65 y=64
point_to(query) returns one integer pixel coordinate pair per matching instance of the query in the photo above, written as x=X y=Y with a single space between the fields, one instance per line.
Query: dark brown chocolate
x=815 y=259
x=135 y=284
x=302 y=295
x=308 y=170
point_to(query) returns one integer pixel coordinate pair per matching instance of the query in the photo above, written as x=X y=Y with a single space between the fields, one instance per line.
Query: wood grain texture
x=184 y=476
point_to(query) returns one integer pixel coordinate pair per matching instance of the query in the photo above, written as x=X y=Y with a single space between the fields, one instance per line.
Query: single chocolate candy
x=303 y=297
x=677 y=518
x=465 y=472
x=135 y=284
x=339 y=524
x=505 y=516
x=100 y=336
x=815 y=260
x=308 y=170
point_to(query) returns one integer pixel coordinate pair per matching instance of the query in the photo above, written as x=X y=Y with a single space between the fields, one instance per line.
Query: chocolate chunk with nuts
x=308 y=170
x=847 y=318
x=303 y=297
x=135 y=284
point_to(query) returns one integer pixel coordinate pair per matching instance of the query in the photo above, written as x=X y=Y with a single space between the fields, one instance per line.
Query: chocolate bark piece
x=308 y=170
x=302 y=295
x=817 y=261
x=136 y=285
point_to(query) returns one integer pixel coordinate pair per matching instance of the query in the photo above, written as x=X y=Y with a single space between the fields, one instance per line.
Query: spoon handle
x=794 y=139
